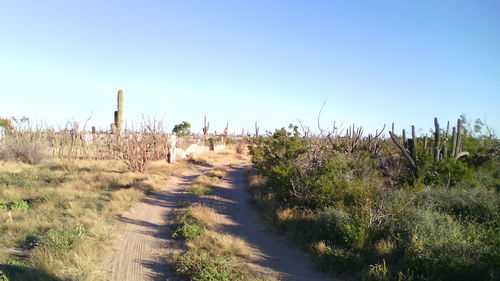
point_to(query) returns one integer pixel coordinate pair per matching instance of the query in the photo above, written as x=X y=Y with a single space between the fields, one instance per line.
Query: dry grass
x=216 y=174
x=223 y=156
x=71 y=207
x=219 y=244
x=287 y=214
x=204 y=214
x=254 y=179
x=206 y=183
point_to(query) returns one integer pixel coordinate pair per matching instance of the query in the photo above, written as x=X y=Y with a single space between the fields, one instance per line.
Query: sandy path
x=142 y=232
x=142 y=237
x=232 y=201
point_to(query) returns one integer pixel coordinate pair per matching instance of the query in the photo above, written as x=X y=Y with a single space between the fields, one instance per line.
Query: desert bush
x=477 y=204
x=438 y=247
x=184 y=226
x=16 y=205
x=202 y=266
x=376 y=217
x=59 y=241
x=138 y=147
x=336 y=226
x=188 y=230
x=22 y=148
x=308 y=175
x=240 y=147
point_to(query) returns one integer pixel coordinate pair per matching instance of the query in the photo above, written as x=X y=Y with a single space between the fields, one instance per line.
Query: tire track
x=142 y=237
x=231 y=201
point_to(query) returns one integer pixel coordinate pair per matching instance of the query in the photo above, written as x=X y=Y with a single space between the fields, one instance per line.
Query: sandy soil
x=142 y=236
x=142 y=239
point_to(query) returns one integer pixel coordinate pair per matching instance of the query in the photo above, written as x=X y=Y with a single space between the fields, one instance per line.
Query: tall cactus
x=117 y=125
x=412 y=142
x=457 y=144
x=444 y=153
x=457 y=147
x=256 y=129
x=206 y=127
x=436 y=139
x=439 y=149
x=226 y=130
x=453 y=141
x=405 y=142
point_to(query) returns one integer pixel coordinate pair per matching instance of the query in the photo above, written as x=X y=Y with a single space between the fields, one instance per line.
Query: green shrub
x=188 y=230
x=200 y=190
x=446 y=172
x=201 y=266
x=476 y=204
x=308 y=176
x=17 y=205
x=184 y=226
x=59 y=241
x=338 y=227
x=373 y=214
x=437 y=247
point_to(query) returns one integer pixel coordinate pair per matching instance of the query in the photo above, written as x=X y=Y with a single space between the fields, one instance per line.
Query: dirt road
x=142 y=238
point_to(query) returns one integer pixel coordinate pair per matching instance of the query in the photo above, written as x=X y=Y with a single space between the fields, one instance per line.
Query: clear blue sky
x=274 y=62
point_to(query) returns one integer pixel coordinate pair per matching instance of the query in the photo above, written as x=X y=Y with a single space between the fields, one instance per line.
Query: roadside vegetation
x=60 y=194
x=56 y=217
x=426 y=209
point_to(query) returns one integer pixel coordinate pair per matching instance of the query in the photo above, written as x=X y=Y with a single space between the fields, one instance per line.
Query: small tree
x=182 y=129
x=6 y=124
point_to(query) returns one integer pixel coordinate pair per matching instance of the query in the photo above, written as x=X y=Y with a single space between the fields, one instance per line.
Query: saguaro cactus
x=405 y=142
x=117 y=125
x=457 y=144
x=412 y=142
x=206 y=127
x=436 y=139
x=226 y=130
x=256 y=129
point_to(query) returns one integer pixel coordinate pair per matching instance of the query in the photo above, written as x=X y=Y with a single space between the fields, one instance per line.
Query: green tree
x=6 y=124
x=182 y=129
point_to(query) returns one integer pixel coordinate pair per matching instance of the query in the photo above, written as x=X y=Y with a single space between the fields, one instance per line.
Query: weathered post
x=171 y=149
